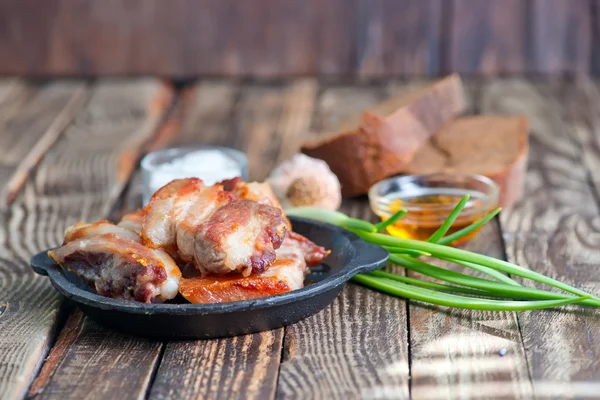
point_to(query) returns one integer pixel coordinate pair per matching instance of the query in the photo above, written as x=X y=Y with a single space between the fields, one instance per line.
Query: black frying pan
x=349 y=256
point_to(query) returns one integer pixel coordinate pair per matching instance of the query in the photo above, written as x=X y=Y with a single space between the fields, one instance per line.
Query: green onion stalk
x=498 y=291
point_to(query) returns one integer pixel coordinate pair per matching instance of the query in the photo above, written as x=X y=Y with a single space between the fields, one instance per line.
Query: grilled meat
x=285 y=274
x=112 y=260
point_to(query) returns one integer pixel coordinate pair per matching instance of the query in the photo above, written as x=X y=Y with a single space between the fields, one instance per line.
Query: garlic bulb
x=305 y=181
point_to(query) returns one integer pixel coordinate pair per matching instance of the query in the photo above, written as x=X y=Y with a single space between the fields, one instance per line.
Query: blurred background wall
x=281 y=38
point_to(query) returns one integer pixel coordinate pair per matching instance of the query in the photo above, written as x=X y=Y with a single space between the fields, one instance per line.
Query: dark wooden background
x=281 y=38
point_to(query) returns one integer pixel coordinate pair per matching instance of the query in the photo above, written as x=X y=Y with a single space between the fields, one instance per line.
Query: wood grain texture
x=27 y=136
x=356 y=347
x=581 y=99
x=92 y=362
x=75 y=181
x=398 y=38
x=455 y=352
x=561 y=36
x=486 y=37
x=284 y=38
x=14 y=94
x=266 y=122
x=595 y=31
x=272 y=123
x=243 y=367
x=554 y=230
x=41 y=145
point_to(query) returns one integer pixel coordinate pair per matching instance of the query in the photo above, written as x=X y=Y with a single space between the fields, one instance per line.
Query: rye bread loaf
x=381 y=142
x=494 y=146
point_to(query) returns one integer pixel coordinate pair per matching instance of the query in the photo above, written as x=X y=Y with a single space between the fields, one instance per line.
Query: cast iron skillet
x=349 y=256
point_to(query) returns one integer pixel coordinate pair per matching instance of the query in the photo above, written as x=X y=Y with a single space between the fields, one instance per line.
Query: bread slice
x=494 y=146
x=384 y=140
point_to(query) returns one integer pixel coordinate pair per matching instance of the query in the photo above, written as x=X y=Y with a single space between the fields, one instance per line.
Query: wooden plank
x=561 y=36
x=180 y=38
x=89 y=358
x=29 y=134
x=14 y=94
x=356 y=347
x=595 y=49
x=242 y=367
x=77 y=180
x=398 y=38
x=268 y=120
x=455 y=353
x=554 y=230
x=581 y=97
x=273 y=122
x=487 y=37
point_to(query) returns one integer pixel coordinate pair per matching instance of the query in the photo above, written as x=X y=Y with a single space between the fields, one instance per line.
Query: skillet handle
x=41 y=263
x=369 y=257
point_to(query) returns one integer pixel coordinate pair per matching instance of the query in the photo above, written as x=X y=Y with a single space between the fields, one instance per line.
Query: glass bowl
x=429 y=199
x=160 y=167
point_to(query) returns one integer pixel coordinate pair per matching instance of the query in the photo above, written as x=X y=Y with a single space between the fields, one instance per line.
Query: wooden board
x=398 y=38
x=28 y=135
x=560 y=36
x=554 y=230
x=88 y=358
x=14 y=94
x=595 y=49
x=462 y=353
x=486 y=37
x=243 y=367
x=581 y=99
x=284 y=38
x=77 y=180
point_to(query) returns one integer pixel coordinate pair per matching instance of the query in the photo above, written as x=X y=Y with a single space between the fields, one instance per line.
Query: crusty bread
x=384 y=140
x=494 y=146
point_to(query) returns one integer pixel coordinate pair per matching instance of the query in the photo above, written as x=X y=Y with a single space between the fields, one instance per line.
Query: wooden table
x=86 y=139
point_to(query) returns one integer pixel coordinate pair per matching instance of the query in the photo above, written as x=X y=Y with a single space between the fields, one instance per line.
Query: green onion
x=486 y=270
x=414 y=253
x=451 y=300
x=430 y=285
x=437 y=235
x=450 y=253
x=404 y=253
x=331 y=217
x=501 y=289
x=468 y=229
x=390 y=221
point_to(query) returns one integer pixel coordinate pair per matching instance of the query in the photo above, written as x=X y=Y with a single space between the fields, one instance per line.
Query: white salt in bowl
x=209 y=163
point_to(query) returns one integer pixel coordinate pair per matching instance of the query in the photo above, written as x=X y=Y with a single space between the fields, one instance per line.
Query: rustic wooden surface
x=283 y=38
x=555 y=231
x=365 y=344
x=77 y=180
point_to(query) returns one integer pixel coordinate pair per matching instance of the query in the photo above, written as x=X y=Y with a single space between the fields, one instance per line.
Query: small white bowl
x=159 y=167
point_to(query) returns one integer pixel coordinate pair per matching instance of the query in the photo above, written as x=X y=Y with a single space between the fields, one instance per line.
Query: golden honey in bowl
x=429 y=199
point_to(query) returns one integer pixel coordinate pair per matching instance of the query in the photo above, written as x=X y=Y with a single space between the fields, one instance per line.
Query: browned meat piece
x=118 y=267
x=83 y=230
x=206 y=201
x=206 y=225
x=165 y=206
x=175 y=211
x=285 y=274
x=313 y=253
x=242 y=235
x=261 y=192
x=133 y=221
